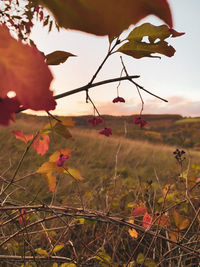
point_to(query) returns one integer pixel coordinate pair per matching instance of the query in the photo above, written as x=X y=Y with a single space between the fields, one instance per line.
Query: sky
x=176 y=79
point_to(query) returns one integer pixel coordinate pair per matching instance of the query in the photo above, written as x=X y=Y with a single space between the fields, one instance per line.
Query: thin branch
x=89 y=86
x=35 y=259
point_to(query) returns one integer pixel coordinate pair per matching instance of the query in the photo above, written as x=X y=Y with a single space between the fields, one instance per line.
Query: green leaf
x=138 y=48
x=58 y=57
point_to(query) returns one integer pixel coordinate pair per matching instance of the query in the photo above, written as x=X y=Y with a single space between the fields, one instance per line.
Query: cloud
x=175 y=105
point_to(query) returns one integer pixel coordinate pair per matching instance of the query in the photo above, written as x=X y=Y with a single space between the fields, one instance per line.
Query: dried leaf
x=57 y=57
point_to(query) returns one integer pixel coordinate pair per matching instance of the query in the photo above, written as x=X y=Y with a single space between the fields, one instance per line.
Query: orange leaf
x=41 y=143
x=139 y=211
x=21 y=136
x=147 y=220
x=24 y=71
x=88 y=15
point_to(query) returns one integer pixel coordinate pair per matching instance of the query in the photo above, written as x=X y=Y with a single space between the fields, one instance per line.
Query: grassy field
x=99 y=158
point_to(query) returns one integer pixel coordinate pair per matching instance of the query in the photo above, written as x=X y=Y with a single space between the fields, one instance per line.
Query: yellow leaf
x=66 y=121
x=42 y=252
x=133 y=233
x=57 y=248
x=49 y=167
x=55 y=264
x=75 y=173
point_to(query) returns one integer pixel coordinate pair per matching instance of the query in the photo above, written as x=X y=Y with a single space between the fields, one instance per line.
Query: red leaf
x=147 y=220
x=21 y=136
x=41 y=143
x=24 y=71
x=139 y=211
x=8 y=106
